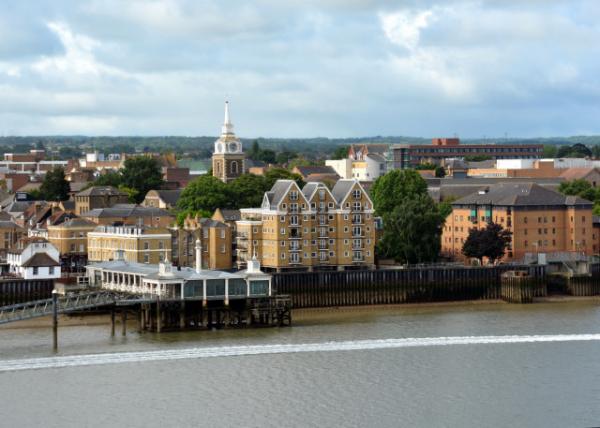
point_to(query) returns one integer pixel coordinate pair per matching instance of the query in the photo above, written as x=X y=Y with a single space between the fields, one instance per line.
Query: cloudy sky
x=300 y=68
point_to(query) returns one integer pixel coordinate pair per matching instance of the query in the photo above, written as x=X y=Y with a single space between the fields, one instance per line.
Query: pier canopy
x=182 y=283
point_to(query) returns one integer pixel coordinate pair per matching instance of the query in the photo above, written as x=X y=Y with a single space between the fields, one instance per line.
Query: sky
x=301 y=68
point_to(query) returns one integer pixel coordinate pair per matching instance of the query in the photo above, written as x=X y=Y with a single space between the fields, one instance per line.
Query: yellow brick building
x=310 y=228
x=139 y=244
x=541 y=220
x=71 y=240
x=215 y=240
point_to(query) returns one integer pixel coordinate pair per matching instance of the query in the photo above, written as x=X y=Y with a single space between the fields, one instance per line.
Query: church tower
x=228 y=158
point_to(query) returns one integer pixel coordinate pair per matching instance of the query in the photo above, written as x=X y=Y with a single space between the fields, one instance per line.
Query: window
x=222 y=249
x=161 y=245
x=146 y=245
x=282 y=218
x=293 y=195
x=282 y=230
x=51 y=270
x=35 y=270
x=356 y=194
x=222 y=233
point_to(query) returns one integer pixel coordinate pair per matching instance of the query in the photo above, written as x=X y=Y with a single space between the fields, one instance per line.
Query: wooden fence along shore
x=17 y=290
x=375 y=287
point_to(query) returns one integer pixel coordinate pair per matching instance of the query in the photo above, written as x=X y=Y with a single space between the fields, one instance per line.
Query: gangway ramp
x=69 y=303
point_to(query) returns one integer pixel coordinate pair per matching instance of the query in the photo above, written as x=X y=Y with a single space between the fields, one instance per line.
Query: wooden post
x=182 y=315
x=158 y=316
x=112 y=320
x=55 y=320
x=141 y=319
x=124 y=322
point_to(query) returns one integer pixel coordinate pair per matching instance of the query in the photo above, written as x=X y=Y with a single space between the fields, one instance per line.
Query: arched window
x=218 y=165
x=234 y=167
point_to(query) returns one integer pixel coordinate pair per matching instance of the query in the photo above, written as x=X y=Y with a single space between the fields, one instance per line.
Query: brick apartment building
x=541 y=220
x=310 y=228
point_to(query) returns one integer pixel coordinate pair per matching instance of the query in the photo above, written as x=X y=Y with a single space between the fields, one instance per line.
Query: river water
x=459 y=365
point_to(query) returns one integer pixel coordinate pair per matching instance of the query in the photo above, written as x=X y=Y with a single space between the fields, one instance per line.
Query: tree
x=340 y=153
x=412 y=231
x=274 y=174
x=55 y=187
x=584 y=189
x=412 y=222
x=440 y=172
x=490 y=242
x=247 y=190
x=390 y=190
x=550 y=151
x=111 y=178
x=477 y=158
x=267 y=156
x=577 y=150
x=596 y=151
x=205 y=193
x=142 y=174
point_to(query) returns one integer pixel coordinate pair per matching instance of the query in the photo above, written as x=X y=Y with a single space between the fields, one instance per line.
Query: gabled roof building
x=309 y=228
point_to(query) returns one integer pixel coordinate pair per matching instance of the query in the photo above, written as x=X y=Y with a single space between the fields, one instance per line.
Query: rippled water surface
x=329 y=369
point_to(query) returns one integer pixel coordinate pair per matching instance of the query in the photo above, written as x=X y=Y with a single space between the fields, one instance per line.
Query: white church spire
x=227 y=127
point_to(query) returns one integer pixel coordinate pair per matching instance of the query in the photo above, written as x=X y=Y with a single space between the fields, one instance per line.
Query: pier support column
x=182 y=315
x=112 y=321
x=124 y=322
x=140 y=319
x=158 y=316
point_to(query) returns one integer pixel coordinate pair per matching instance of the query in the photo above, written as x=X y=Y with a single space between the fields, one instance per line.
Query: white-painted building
x=34 y=258
x=180 y=283
x=343 y=167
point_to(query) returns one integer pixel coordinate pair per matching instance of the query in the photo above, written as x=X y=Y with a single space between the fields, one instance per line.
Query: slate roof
x=376 y=157
x=101 y=191
x=278 y=192
x=231 y=215
x=127 y=210
x=170 y=197
x=527 y=194
x=308 y=170
x=341 y=189
x=18 y=206
x=78 y=222
x=39 y=260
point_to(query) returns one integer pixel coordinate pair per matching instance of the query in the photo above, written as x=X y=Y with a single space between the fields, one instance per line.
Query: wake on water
x=230 y=351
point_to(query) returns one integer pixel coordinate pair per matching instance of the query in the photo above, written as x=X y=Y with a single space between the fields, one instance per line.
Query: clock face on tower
x=233 y=147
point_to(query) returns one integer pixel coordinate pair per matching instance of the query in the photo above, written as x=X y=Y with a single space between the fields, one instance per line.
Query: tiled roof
x=576 y=173
x=40 y=259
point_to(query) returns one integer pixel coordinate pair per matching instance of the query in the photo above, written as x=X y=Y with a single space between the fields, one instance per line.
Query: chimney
x=198 y=256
